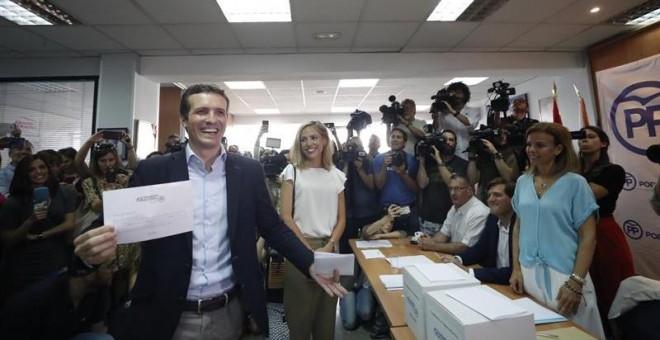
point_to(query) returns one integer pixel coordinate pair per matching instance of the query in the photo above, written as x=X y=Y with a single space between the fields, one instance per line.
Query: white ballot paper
x=373 y=254
x=149 y=212
x=392 y=282
x=541 y=314
x=373 y=244
x=441 y=271
x=494 y=307
x=405 y=261
x=326 y=263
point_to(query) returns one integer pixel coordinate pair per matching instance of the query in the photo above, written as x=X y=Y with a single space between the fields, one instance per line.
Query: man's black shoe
x=379 y=334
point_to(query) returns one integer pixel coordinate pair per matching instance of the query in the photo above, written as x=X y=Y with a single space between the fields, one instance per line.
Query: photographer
x=408 y=124
x=490 y=158
x=517 y=124
x=360 y=191
x=396 y=178
x=433 y=178
x=374 y=145
x=98 y=137
x=173 y=144
x=455 y=116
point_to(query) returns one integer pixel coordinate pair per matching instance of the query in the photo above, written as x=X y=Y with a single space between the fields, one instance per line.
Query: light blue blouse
x=549 y=226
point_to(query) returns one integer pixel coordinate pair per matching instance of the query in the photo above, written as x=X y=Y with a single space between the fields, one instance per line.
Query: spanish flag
x=584 y=116
x=556 y=117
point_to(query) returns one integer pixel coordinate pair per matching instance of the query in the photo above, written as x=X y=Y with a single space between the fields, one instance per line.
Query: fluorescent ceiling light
x=245 y=85
x=469 y=81
x=449 y=10
x=256 y=10
x=180 y=85
x=358 y=82
x=267 y=111
x=421 y=108
x=327 y=35
x=646 y=19
x=595 y=10
x=342 y=109
x=13 y=12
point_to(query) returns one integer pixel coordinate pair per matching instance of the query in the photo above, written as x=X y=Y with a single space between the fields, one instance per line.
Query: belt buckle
x=199 y=306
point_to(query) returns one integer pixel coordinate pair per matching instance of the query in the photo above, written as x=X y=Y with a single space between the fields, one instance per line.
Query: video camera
x=502 y=92
x=174 y=146
x=441 y=100
x=359 y=121
x=424 y=146
x=11 y=143
x=391 y=113
x=273 y=165
x=488 y=133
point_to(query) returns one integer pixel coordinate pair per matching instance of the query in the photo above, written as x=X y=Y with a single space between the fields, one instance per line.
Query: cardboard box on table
x=415 y=285
x=449 y=319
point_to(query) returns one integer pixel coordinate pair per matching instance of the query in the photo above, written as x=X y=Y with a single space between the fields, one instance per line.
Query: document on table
x=373 y=244
x=541 y=314
x=492 y=306
x=567 y=333
x=326 y=263
x=373 y=254
x=441 y=272
x=406 y=261
x=392 y=282
x=149 y=212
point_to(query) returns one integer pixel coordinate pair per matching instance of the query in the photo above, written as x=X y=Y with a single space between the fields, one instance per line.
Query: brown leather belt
x=210 y=304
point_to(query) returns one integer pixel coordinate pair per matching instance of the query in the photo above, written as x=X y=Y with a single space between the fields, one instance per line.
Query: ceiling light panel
x=245 y=85
x=267 y=111
x=646 y=19
x=469 y=81
x=15 y=13
x=449 y=10
x=256 y=10
x=358 y=82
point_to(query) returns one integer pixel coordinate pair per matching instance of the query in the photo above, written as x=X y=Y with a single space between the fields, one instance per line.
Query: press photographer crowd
x=513 y=196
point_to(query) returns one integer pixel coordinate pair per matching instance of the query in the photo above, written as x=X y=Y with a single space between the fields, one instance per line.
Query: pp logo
x=632 y=116
x=633 y=229
x=630 y=182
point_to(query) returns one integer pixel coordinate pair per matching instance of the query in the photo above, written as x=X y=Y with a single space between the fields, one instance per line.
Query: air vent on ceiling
x=480 y=10
x=635 y=12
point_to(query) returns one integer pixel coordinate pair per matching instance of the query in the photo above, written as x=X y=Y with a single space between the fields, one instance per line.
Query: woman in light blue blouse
x=555 y=234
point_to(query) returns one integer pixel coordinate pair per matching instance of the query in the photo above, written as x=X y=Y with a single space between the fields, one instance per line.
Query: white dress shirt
x=503 y=245
x=466 y=223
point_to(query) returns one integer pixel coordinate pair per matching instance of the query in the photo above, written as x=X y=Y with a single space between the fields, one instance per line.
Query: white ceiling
x=198 y=28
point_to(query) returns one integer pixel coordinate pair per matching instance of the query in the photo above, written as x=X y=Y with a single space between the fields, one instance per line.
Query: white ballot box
x=422 y=278
x=477 y=312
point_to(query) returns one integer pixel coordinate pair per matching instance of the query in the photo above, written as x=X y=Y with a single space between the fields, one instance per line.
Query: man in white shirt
x=458 y=118
x=464 y=223
x=414 y=128
x=493 y=250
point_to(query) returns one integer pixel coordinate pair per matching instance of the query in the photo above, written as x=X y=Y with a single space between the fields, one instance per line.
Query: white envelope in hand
x=326 y=263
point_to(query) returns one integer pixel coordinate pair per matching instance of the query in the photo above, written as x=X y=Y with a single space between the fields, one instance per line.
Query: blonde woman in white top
x=312 y=205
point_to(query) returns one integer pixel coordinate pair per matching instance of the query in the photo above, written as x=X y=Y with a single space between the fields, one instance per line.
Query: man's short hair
x=459 y=86
x=184 y=106
x=509 y=187
x=449 y=131
x=456 y=176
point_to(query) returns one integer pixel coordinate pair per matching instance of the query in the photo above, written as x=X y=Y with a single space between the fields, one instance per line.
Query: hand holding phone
x=264 y=126
x=110 y=176
x=40 y=198
x=112 y=134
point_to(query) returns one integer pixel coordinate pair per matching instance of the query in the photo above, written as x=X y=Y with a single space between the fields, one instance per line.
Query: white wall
x=115 y=105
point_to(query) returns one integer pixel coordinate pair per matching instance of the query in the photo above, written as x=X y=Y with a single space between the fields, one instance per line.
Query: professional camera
x=398 y=159
x=502 y=92
x=273 y=165
x=352 y=153
x=424 y=146
x=441 y=100
x=11 y=143
x=359 y=121
x=577 y=135
x=173 y=146
x=488 y=133
x=391 y=113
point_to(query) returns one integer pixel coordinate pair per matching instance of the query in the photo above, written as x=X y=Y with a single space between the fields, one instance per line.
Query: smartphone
x=274 y=143
x=265 y=123
x=110 y=176
x=12 y=143
x=330 y=126
x=404 y=210
x=40 y=198
x=112 y=134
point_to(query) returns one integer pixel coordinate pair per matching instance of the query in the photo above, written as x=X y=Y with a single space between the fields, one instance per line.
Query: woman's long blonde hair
x=298 y=157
